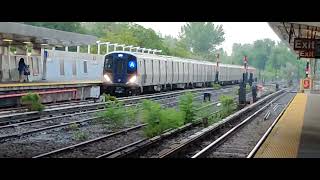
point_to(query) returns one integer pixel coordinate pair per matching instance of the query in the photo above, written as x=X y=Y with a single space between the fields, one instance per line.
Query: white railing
x=109 y=45
x=131 y=48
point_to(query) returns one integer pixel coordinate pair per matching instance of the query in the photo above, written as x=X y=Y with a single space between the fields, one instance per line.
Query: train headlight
x=107 y=78
x=133 y=79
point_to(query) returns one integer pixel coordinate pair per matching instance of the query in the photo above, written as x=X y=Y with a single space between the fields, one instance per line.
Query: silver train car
x=133 y=73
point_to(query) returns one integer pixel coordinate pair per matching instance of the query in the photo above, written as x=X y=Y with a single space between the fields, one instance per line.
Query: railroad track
x=190 y=146
x=87 y=148
x=27 y=116
x=93 y=147
x=241 y=140
x=165 y=144
x=14 y=131
x=80 y=121
x=47 y=106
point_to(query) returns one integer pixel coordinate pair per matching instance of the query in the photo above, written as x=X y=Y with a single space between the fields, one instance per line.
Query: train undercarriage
x=131 y=90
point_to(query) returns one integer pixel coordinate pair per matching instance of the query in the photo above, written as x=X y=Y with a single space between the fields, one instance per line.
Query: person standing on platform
x=21 y=69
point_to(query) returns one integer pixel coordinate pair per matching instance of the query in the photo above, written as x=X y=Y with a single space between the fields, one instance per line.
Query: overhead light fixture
x=7 y=40
x=44 y=44
x=27 y=42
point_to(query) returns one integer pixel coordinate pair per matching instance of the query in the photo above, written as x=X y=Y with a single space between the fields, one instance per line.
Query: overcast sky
x=235 y=32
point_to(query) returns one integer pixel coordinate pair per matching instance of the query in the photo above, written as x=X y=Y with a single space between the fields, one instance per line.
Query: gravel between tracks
x=38 y=143
x=97 y=148
x=242 y=142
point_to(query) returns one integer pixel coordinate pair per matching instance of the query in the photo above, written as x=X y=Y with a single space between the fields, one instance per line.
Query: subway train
x=133 y=73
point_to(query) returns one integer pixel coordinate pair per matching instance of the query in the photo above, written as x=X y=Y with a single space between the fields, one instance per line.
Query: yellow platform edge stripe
x=284 y=139
x=6 y=85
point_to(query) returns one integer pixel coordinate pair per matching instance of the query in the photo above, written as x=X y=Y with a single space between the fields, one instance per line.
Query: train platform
x=16 y=86
x=297 y=133
x=11 y=93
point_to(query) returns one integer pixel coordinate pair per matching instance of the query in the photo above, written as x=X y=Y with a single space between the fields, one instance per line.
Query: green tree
x=261 y=52
x=202 y=37
x=176 y=47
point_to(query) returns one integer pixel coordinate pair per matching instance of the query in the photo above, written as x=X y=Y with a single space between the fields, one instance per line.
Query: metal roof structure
x=288 y=31
x=12 y=33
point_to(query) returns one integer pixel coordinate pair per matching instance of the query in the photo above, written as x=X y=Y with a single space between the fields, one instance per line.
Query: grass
x=108 y=98
x=73 y=127
x=32 y=101
x=116 y=114
x=228 y=106
x=188 y=106
x=160 y=119
x=80 y=135
x=77 y=134
x=216 y=86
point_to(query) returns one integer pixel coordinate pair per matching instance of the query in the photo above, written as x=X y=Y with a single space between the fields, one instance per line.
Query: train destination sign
x=307 y=48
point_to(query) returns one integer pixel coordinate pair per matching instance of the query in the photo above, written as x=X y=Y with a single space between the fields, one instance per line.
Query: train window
x=61 y=67
x=85 y=66
x=74 y=68
x=108 y=64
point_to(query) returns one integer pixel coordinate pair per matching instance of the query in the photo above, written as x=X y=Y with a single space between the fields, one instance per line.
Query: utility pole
x=242 y=88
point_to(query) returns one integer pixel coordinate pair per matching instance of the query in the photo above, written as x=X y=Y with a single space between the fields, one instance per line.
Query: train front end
x=120 y=74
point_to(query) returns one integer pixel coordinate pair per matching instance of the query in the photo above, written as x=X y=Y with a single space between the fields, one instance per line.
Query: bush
x=188 y=107
x=248 y=88
x=216 y=86
x=80 y=136
x=108 y=97
x=73 y=127
x=32 y=101
x=228 y=106
x=214 y=118
x=159 y=119
x=116 y=114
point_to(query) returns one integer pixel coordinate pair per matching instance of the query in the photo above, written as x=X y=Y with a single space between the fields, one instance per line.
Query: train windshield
x=120 y=63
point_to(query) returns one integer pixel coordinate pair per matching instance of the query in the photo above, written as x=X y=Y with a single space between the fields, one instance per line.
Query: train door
x=166 y=67
x=195 y=74
x=119 y=69
x=145 y=79
x=183 y=71
x=172 y=71
x=169 y=70
x=143 y=71
x=159 y=70
x=152 y=71
x=189 y=72
x=176 y=72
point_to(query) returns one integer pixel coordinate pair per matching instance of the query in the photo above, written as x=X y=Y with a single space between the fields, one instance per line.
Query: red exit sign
x=307 y=48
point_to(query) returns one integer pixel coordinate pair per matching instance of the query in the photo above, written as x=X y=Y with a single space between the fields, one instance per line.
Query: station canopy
x=289 y=31
x=15 y=34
